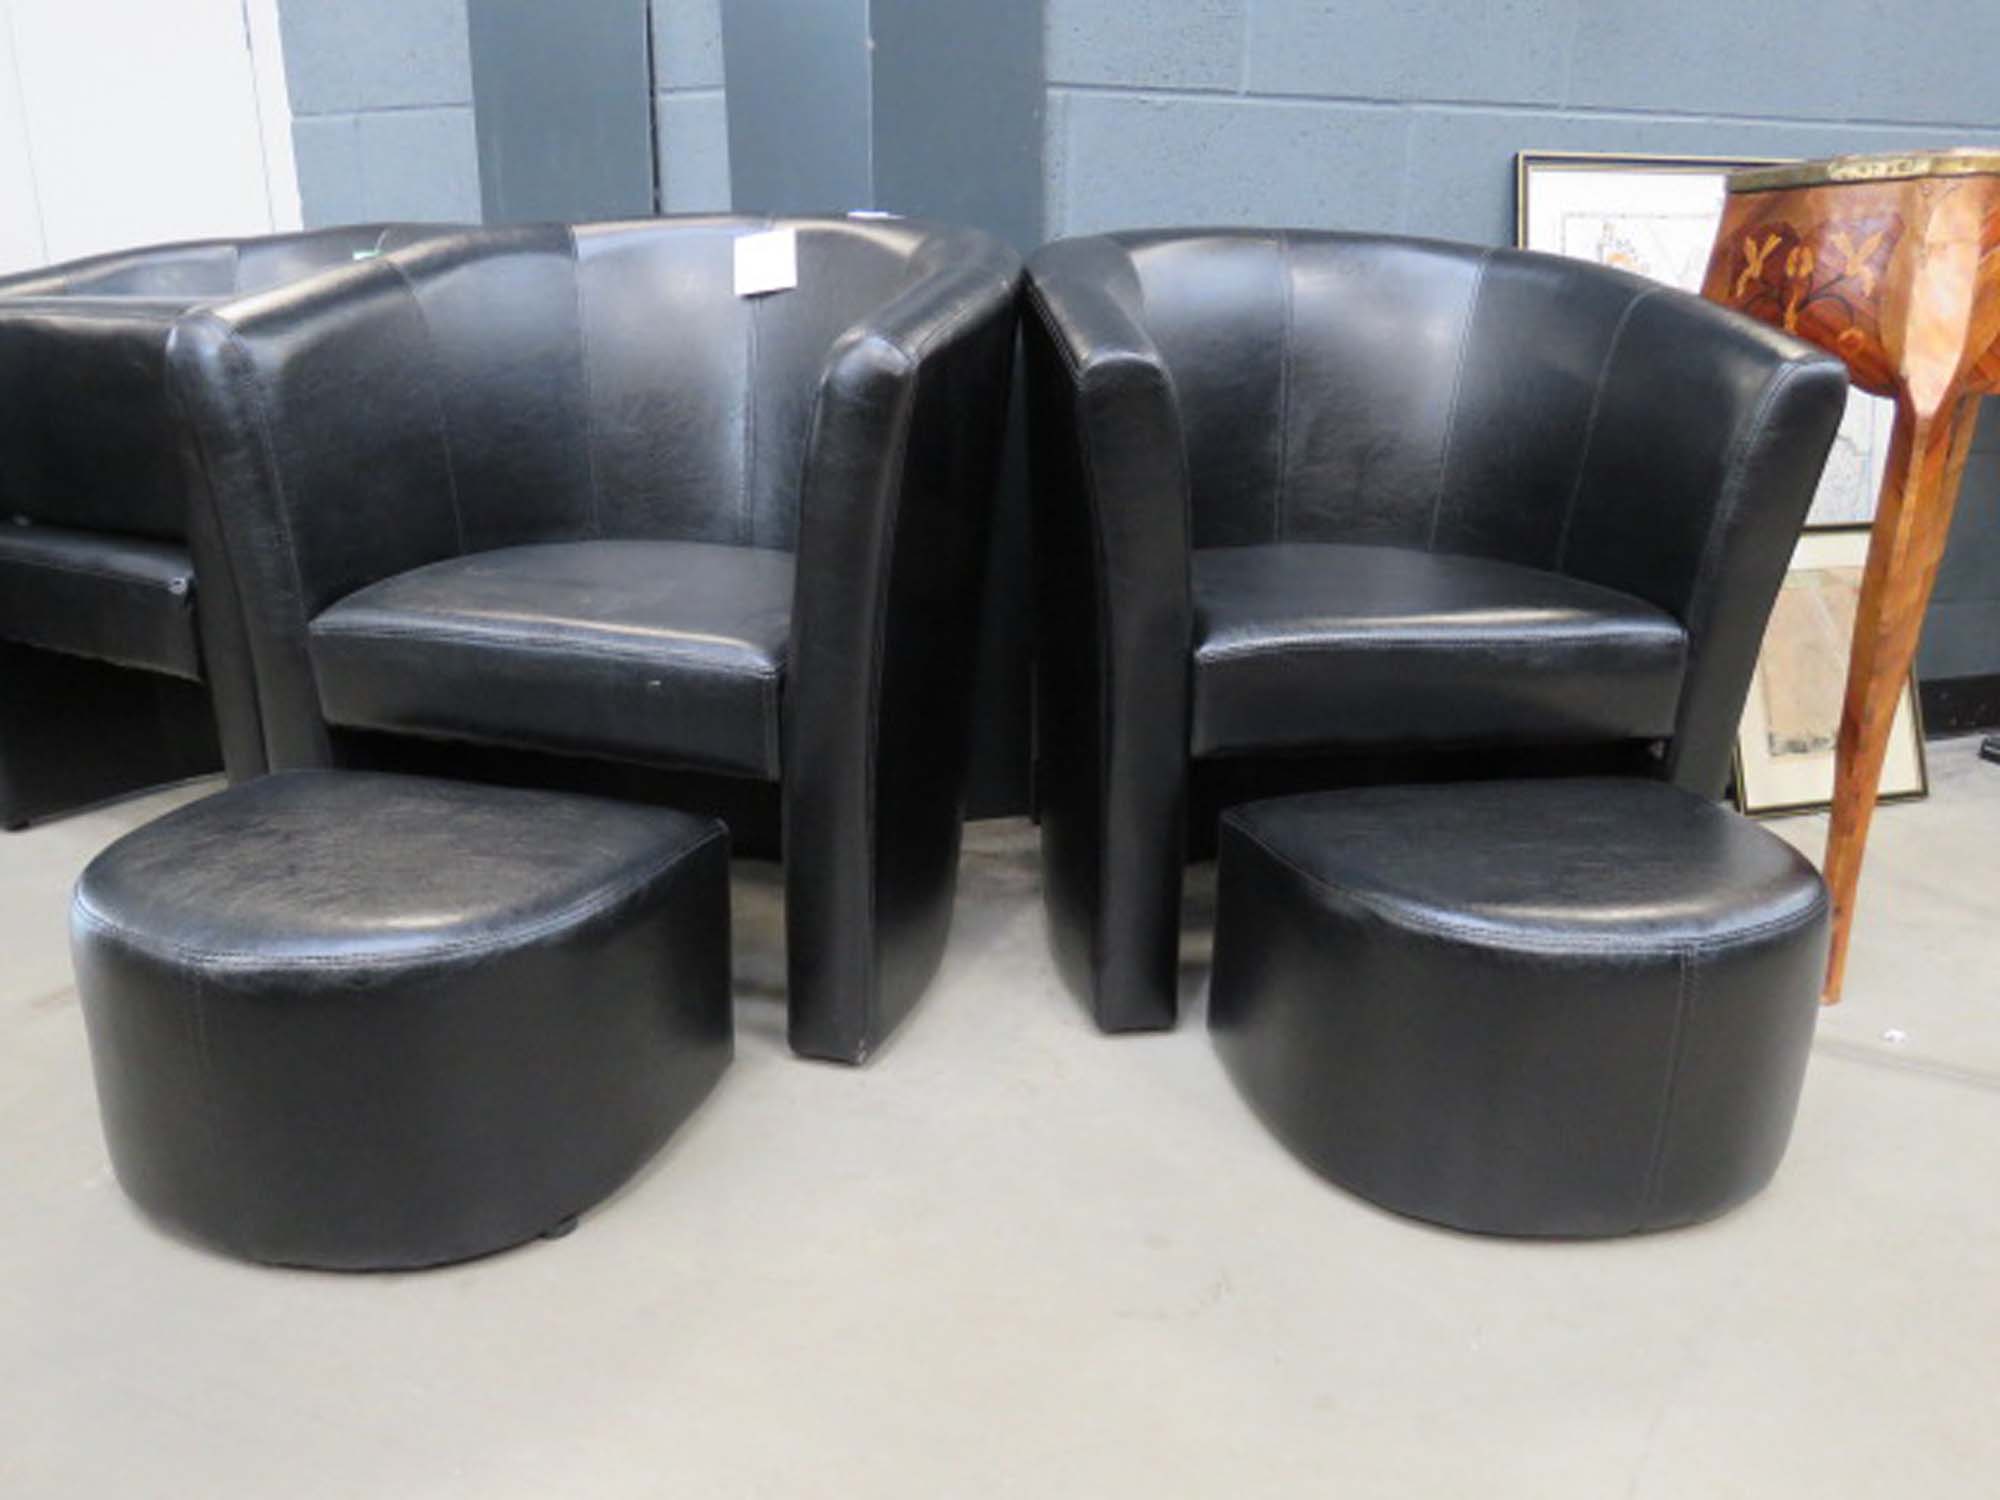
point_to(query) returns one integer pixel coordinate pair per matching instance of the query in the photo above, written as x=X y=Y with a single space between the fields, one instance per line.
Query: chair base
x=748 y=806
x=75 y=732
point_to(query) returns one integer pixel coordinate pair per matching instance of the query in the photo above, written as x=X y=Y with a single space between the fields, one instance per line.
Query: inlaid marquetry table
x=1892 y=263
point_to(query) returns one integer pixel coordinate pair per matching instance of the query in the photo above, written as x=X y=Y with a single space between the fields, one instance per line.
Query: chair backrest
x=607 y=380
x=85 y=437
x=197 y=270
x=1351 y=388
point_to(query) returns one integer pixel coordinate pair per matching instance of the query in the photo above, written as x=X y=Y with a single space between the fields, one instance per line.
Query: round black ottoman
x=364 y=1022
x=1576 y=1007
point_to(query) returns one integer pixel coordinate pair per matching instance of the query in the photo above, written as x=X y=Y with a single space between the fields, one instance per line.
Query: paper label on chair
x=767 y=261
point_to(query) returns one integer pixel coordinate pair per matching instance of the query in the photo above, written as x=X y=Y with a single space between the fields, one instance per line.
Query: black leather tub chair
x=114 y=666
x=1316 y=508
x=563 y=491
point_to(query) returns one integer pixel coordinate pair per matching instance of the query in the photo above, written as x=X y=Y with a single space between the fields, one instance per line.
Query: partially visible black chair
x=562 y=490
x=103 y=651
x=1313 y=508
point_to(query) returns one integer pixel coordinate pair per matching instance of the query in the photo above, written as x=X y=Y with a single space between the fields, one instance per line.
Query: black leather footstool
x=1575 y=1007
x=365 y=1022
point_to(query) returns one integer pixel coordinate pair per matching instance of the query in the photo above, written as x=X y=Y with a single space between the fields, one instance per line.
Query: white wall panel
x=274 y=112
x=20 y=218
x=144 y=122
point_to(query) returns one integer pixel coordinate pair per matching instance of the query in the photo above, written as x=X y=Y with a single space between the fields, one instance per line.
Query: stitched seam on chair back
x=1590 y=426
x=1457 y=383
x=437 y=401
x=1279 y=521
x=746 y=503
x=589 y=400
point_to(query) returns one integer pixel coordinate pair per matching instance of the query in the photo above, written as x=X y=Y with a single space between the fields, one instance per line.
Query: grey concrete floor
x=1014 y=1258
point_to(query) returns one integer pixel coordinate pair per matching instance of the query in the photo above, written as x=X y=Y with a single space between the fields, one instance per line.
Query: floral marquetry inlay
x=1820 y=281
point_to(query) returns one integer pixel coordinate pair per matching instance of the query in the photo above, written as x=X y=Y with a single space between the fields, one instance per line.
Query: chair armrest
x=89 y=434
x=315 y=452
x=1125 y=470
x=1708 y=437
x=894 y=513
x=1115 y=620
x=88 y=440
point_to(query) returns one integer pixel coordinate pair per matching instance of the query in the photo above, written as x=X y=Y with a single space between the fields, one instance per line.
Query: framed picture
x=1791 y=720
x=1657 y=216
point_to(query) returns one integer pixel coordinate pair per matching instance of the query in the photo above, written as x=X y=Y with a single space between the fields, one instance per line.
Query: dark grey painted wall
x=381 y=94
x=1962 y=630
x=928 y=108
x=958 y=113
x=689 y=111
x=1404 y=115
x=563 y=101
x=801 y=104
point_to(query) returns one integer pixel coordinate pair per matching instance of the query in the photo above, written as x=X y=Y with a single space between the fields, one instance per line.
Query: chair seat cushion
x=1315 y=645
x=667 y=652
x=113 y=599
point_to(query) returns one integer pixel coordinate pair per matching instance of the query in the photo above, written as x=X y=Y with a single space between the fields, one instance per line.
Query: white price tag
x=767 y=262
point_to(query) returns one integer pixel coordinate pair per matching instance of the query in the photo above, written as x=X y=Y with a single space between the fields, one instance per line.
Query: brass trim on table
x=1893 y=167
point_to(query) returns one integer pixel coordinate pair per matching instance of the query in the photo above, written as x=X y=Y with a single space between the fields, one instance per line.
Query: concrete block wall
x=381 y=94
x=690 y=113
x=382 y=104
x=1404 y=116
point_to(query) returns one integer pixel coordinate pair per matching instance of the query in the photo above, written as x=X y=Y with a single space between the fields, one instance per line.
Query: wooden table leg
x=1893 y=264
x=1926 y=463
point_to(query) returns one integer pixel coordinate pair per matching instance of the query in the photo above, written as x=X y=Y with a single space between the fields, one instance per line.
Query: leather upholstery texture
x=75 y=732
x=664 y=651
x=364 y=1022
x=1554 y=1007
x=482 y=424
x=1554 y=500
x=123 y=600
x=95 y=531
x=1323 y=645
